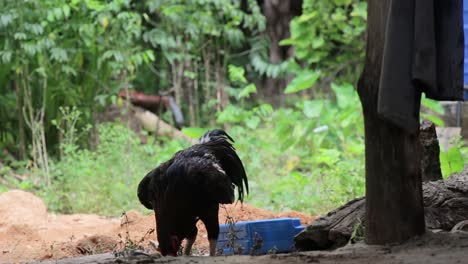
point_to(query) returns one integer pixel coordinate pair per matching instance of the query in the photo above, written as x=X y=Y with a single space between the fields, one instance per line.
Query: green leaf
x=236 y=74
x=34 y=28
x=263 y=66
x=432 y=105
x=318 y=42
x=41 y=71
x=303 y=81
x=313 y=108
x=434 y=119
x=307 y=16
x=50 y=16
x=66 y=10
x=19 y=36
x=59 y=54
x=148 y=55
x=328 y=156
x=6 y=19
x=95 y=5
x=342 y=2
x=58 y=14
x=194 y=132
x=246 y=91
x=345 y=93
x=451 y=161
x=286 y=42
x=190 y=74
x=30 y=48
x=69 y=70
x=101 y=98
x=264 y=110
x=6 y=56
x=252 y=122
x=360 y=10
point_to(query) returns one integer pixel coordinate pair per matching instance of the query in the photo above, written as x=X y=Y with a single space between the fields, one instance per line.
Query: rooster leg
x=212 y=227
x=188 y=246
x=191 y=236
x=213 y=247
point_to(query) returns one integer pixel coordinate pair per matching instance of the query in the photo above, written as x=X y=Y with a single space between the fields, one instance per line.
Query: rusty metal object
x=155 y=104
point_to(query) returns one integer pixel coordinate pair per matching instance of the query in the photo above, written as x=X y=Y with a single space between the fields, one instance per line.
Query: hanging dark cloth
x=423 y=52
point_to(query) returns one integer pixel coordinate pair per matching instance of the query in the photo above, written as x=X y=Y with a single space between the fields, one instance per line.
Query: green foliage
x=194 y=132
x=308 y=157
x=432 y=110
x=453 y=160
x=104 y=181
x=317 y=38
x=330 y=47
x=301 y=157
x=69 y=129
x=260 y=61
x=64 y=53
x=304 y=80
x=202 y=37
x=237 y=76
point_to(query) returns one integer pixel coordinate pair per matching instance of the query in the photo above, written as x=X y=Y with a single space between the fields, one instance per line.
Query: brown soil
x=29 y=233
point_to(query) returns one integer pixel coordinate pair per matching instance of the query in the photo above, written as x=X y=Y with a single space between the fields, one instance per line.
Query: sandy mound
x=28 y=209
x=29 y=233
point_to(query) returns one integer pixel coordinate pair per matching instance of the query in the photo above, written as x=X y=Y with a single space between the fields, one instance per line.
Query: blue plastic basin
x=258 y=237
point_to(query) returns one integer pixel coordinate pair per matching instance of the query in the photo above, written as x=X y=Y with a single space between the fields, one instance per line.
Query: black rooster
x=189 y=187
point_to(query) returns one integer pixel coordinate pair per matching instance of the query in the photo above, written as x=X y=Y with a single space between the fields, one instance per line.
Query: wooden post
x=394 y=205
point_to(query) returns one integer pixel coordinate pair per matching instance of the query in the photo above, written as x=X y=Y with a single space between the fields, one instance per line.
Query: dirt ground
x=29 y=233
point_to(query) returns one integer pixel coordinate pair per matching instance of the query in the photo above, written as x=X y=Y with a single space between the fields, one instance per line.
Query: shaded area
x=445 y=205
x=429 y=249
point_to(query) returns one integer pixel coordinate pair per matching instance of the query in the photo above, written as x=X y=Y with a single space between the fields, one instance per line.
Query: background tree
x=278 y=16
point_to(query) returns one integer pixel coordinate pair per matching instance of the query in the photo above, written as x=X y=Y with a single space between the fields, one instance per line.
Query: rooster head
x=215 y=133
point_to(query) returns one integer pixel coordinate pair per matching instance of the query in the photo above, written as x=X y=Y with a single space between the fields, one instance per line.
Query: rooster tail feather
x=229 y=160
x=201 y=173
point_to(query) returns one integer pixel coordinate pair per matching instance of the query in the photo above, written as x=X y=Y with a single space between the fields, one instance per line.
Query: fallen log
x=138 y=118
x=153 y=123
x=155 y=103
x=445 y=205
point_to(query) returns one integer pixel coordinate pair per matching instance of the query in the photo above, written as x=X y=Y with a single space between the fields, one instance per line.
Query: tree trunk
x=207 y=58
x=189 y=85
x=278 y=16
x=19 y=109
x=221 y=96
x=196 y=96
x=394 y=206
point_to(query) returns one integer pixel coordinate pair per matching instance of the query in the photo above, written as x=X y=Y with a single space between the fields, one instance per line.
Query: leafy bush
x=453 y=159
x=330 y=48
x=104 y=181
x=308 y=157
